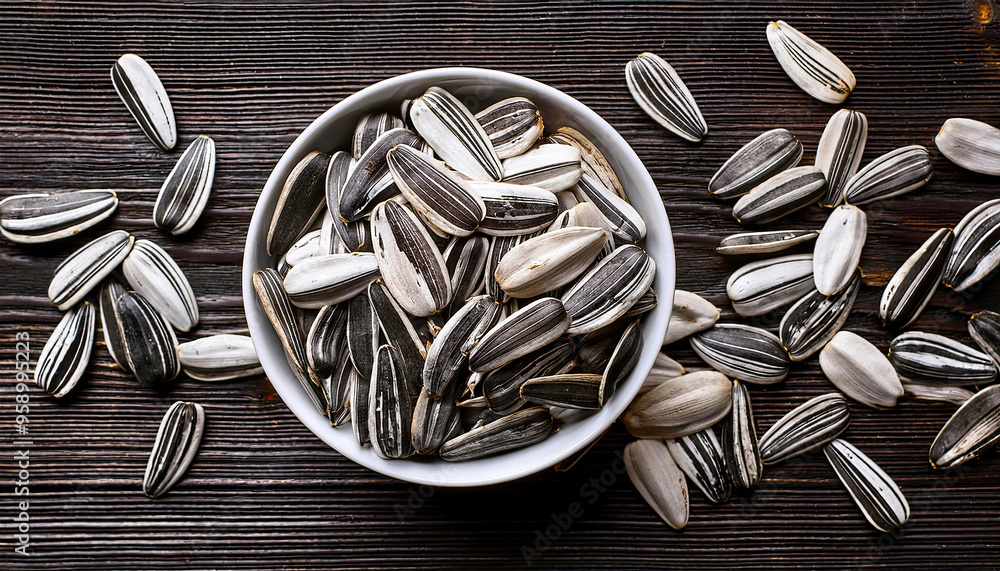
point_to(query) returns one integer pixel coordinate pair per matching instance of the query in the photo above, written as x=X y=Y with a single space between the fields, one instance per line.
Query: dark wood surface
x=263 y=492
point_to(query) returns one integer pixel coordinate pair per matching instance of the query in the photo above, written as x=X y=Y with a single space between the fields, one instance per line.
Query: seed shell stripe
x=879 y=498
x=66 y=354
x=739 y=441
x=839 y=152
x=219 y=358
x=515 y=210
x=517 y=430
x=143 y=93
x=760 y=287
x=810 y=324
x=780 y=195
x=894 y=173
x=154 y=274
x=38 y=218
x=984 y=328
x=185 y=192
x=390 y=408
x=280 y=312
x=465 y=259
x=770 y=153
x=149 y=342
x=764 y=242
x=974 y=428
x=806 y=427
x=578 y=391
x=532 y=327
x=550 y=167
x=970 y=144
x=747 y=353
x=333 y=278
x=811 y=66
x=927 y=357
x=440 y=195
x=609 y=289
x=699 y=456
x=447 y=357
x=86 y=267
x=914 y=283
x=175 y=447
x=660 y=92
x=301 y=199
x=455 y=135
x=513 y=125
x=976 y=251
x=327 y=334
x=371 y=127
x=622 y=219
x=594 y=162
x=399 y=332
x=111 y=290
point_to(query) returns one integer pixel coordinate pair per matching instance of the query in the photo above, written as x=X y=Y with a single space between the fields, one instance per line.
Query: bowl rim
x=431 y=473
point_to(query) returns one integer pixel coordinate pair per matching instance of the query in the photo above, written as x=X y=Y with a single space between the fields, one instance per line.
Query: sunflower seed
x=302 y=198
x=66 y=354
x=747 y=353
x=984 y=328
x=660 y=92
x=517 y=430
x=658 y=479
x=664 y=369
x=38 y=218
x=576 y=391
x=624 y=221
x=549 y=167
x=973 y=429
x=499 y=246
x=594 y=162
x=691 y=313
x=455 y=135
x=839 y=152
x=360 y=388
x=513 y=125
x=566 y=200
x=838 y=248
x=411 y=265
x=970 y=144
x=312 y=390
x=770 y=153
x=879 y=498
x=281 y=314
x=323 y=280
x=86 y=267
x=594 y=349
x=354 y=235
x=939 y=393
x=646 y=303
x=111 y=290
x=142 y=92
x=894 y=173
x=914 y=283
x=369 y=128
x=502 y=387
x=609 y=289
x=465 y=259
x=514 y=209
x=399 y=332
x=149 y=342
x=930 y=358
x=337 y=388
x=534 y=326
x=549 y=261
x=780 y=195
x=860 y=370
x=440 y=195
x=390 y=407
x=739 y=441
x=680 y=406
x=764 y=242
x=154 y=274
x=810 y=324
x=175 y=447
x=699 y=456
x=622 y=361
x=811 y=66
x=369 y=181
x=308 y=246
x=760 y=287
x=432 y=421
x=976 y=252
x=184 y=193
x=363 y=335
x=219 y=358
x=449 y=354
x=806 y=427
x=580 y=215
x=323 y=342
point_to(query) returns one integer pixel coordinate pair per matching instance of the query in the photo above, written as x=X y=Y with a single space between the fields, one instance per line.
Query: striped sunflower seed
x=976 y=252
x=154 y=274
x=763 y=286
x=780 y=195
x=313 y=391
x=691 y=313
x=184 y=193
x=337 y=387
x=680 y=406
x=984 y=328
x=513 y=125
x=765 y=242
x=973 y=429
x=914 y=283
x=455 y=135
x=502 y=387
x=660 y=92
x=514 y=209
x=411 y=264
x=930 y=358
x=550 y=167
x=38 y=218
x=839 y=152
x=838 y=248
x=432 y=421
x=86 y=267
x=894 y=173
x=398 y=331
x=499 y=246
x=622 y=361
x=143 y=93
x=860 y=370
x=739 y=441
x=549 y=261
x=700 y=457
x=517 y=430
x=363 y=335
x=806 y=427
x=327 y=334
x=664 y=369
x=659 y=480
x=440 y=195
x=646 y=303
x=594 y=349
x=369 y=181
x=219 y=358
x=937 y=393
x=111 y=290
x=747 y=353
x=175 y=447
x=354 y=235
x=66 y=354
x=811 y=66
x=301 y=200
x=609 y=289
x=624 y=221
x=306 y=247
x=390 y=407
x=532 y=327
x=281 y=314
x=594 y=162
x=149 y=342
x=970 y=144
x=770 y=153
x=879 y=498
x=581 y=391
x=810 y=324
x=448 y=356
x=369 y=128
x=322 y=280
x=360 y=391
x=465 y=259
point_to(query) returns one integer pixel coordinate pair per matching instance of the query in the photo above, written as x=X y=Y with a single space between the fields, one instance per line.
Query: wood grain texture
x=264 y=493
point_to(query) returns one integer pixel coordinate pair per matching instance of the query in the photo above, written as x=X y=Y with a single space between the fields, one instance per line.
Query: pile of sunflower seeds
x=470 y=282
x=679 y=414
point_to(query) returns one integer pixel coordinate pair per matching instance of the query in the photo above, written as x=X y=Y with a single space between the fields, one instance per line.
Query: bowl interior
x=477 y=88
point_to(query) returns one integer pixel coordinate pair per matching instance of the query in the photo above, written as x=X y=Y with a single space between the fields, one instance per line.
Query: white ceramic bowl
x=477 y=88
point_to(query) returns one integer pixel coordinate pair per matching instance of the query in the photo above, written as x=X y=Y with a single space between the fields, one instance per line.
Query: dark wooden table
x=263 y=492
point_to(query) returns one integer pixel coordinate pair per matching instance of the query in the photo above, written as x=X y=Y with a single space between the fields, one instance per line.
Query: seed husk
x=78 y=274
x=369 y=181
x=930 y=358
x=175 y=447
x=66 y=354
x=551 y=167
x=39 y=218
x=280 y=312
x=699 y=456
x=355 y=236
x=363 y=334
x=517 y=430
x=609 y=289
x=770 y=153
x=623 y=359
x=739 y=441
x=594 y=162
x=621 y=219
x=970 y=144
x=894 y=173
x=313 y=391
x=143 y=93
x=185 y=192
x=914 y=283
x=660 y=92
x=149 y=342
x=580 y=391
x=513 y=125
x=860 y=370
x=780 y=195
x=455 y=135
x=515 y=209
x=154 y=274
x=976 y=252
x=937 y=393
x=336 y=388
x=659 y=480
x=448 y=356
x=664 y=369
x=390 y=407
x=501 y=387
x=811 y=66
x=333 y=278
x=360 y=389
x=680 y=406
x=549 y=261
x=838 y=248
x=432 y=421
x=440 y=195
x=219 y=358
x=301 y=200
x=465 y=259
x=581 y=214
x=111 y=290
x=324 y=339
x=594 y=349
x=747 y=353
x=984 y=328
x=839 y=152
x=399 y=332
x=369 y=128
x=691 y=313
x=308 y=246
x=646 y=303
x=810 y=324
x=764 y=242
x=533 y=326
x=806 y=427
x=499 y=246
x=763 y=286
x=879 y=498
x=973 y=429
